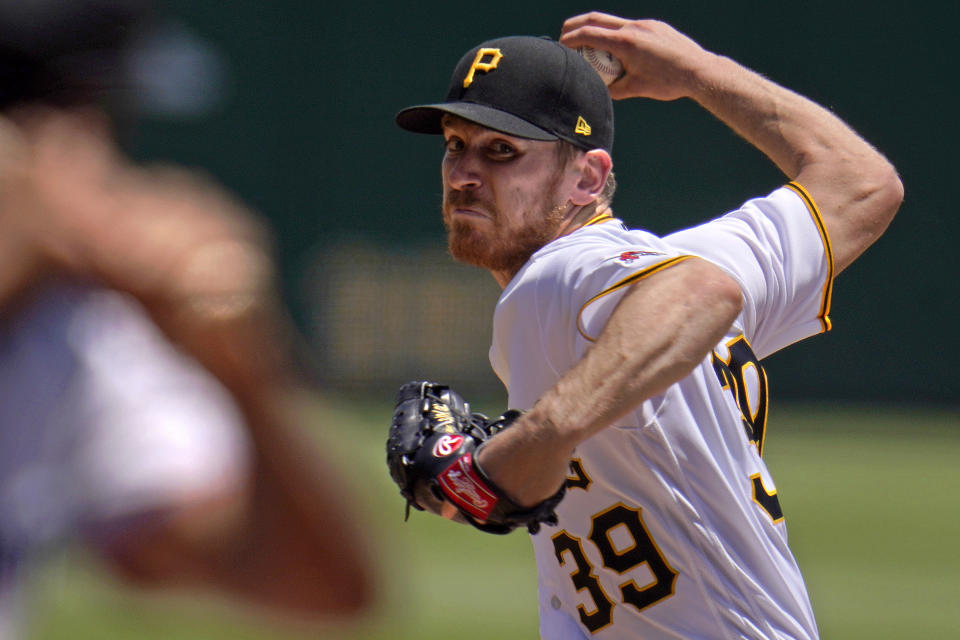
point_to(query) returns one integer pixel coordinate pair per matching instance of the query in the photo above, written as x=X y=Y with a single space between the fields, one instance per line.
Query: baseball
x=604 y=62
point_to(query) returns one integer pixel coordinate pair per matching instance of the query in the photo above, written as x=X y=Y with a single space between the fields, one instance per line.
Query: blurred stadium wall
x=304 y=131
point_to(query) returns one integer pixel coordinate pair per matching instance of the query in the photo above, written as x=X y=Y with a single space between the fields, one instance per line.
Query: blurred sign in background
x=301 y=126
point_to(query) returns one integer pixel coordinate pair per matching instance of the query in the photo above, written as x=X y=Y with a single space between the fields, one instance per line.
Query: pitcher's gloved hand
x=431 y=453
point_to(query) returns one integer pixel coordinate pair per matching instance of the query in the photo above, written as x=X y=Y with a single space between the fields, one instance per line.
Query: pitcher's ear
x=595 y=165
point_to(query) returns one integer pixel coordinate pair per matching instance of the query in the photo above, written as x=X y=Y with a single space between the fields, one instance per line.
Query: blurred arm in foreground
x=199 y=264
x=147 y=386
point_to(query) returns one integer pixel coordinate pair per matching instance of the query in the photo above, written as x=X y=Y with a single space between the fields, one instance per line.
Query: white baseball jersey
x=671 y=527
x=100 y=419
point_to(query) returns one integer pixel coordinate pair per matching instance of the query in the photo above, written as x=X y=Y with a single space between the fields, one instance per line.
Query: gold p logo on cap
x=480 y=65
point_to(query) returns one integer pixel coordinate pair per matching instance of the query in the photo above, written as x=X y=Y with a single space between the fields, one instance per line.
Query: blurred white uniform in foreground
x=101 y=421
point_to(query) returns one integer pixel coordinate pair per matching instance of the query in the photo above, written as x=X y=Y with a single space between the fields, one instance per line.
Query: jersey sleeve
x=778 y=250
x=559 y=303
x=599 y=294
x=603 y=271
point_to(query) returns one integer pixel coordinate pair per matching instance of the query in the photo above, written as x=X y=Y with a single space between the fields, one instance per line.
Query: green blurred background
x=304 y=131
x=864 y=437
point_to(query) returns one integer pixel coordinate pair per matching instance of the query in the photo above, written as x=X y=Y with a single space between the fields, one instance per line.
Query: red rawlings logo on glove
x=447 y=444
x=463 y=487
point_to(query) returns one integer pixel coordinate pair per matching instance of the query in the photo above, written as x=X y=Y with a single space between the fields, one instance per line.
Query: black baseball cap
x=524 y=86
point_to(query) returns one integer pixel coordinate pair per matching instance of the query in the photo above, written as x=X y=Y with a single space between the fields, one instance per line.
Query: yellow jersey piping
x=597 y=219
x=824 y=314
x=632 y=278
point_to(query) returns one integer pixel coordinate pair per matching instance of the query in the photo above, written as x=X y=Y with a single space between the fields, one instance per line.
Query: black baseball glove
x=431 y=453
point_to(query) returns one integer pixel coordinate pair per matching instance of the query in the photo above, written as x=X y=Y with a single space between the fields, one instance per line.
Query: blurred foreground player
x=147 y=395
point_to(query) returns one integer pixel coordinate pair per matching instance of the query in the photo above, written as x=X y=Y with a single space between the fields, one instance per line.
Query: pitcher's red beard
x=483 y=241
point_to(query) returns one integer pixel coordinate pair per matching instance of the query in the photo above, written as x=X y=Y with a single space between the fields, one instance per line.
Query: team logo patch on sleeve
x=629 y=257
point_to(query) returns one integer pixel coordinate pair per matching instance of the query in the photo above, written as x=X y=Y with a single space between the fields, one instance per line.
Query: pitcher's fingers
x=616 y=41
x=593 y=19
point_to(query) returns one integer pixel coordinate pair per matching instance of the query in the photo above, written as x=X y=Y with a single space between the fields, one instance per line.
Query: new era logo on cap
x=582 y=127
x=524 y=86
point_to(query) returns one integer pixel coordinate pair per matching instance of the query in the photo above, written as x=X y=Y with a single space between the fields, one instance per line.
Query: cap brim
x=426 y=119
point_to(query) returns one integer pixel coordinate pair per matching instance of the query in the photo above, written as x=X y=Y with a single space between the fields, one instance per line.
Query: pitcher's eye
x=502 y=150
x=453 y=144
